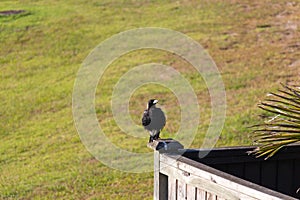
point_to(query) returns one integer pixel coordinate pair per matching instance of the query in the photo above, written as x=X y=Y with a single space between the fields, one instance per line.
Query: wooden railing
x=177 y=177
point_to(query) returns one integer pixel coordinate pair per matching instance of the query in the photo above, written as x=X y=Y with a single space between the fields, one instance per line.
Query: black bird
x=153 y=120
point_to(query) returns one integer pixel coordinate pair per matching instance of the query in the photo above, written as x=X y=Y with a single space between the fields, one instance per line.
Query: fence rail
x=212 y=178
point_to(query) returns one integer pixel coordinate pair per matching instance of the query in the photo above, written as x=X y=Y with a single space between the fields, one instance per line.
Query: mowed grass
x=255 y=45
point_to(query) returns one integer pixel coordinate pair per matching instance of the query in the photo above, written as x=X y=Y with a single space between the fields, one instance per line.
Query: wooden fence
x=226 y=173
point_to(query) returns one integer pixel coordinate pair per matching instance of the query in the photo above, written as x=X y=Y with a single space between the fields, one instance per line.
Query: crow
x=153 y=120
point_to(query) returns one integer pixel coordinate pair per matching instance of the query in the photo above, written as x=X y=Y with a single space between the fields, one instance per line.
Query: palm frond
x=284 y=128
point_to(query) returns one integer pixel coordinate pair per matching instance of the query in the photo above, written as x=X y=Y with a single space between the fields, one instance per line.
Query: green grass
x=41 y=155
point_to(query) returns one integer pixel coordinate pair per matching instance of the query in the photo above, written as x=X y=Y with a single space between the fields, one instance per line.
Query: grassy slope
x=254 y=45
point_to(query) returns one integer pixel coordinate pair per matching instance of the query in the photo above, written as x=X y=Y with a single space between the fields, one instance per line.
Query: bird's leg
x=150 y=139
x=156 y=136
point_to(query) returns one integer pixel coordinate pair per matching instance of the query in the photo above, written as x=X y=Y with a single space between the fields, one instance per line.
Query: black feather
x=146 y=118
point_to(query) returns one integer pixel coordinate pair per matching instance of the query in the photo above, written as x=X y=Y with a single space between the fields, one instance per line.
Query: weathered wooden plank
x=181 y=190
x=200 y=194
x=210 y=196
x=190 y=192
x=217 y=182
x=156 y=175
x=200 y=182
x=172 y=188
x=160 y=180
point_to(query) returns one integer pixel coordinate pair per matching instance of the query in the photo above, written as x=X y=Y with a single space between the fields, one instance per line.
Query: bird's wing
x=158 y=119
x=146 y=118
x=163 y=117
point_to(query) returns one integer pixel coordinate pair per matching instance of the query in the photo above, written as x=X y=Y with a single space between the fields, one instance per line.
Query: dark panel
x=296 y=179
x=252 y=172
x=233 y=178
x=280 y=172
x=221 y=167
x=236 y=169
x=228 y=159
x=237 y=155
x=163 y=186
x=269 y=174
x=219 y=155
x=285 y=176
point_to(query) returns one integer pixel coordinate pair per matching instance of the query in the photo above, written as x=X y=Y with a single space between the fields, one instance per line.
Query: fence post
x=161 y=180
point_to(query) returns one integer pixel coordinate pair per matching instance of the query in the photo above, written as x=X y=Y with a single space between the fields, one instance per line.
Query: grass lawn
x=254 y=43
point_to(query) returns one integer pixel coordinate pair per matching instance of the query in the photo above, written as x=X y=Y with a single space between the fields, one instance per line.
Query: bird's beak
x=155 y=101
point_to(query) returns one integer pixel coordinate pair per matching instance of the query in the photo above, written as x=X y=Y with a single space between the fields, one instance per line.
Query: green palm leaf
x=284 y=128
